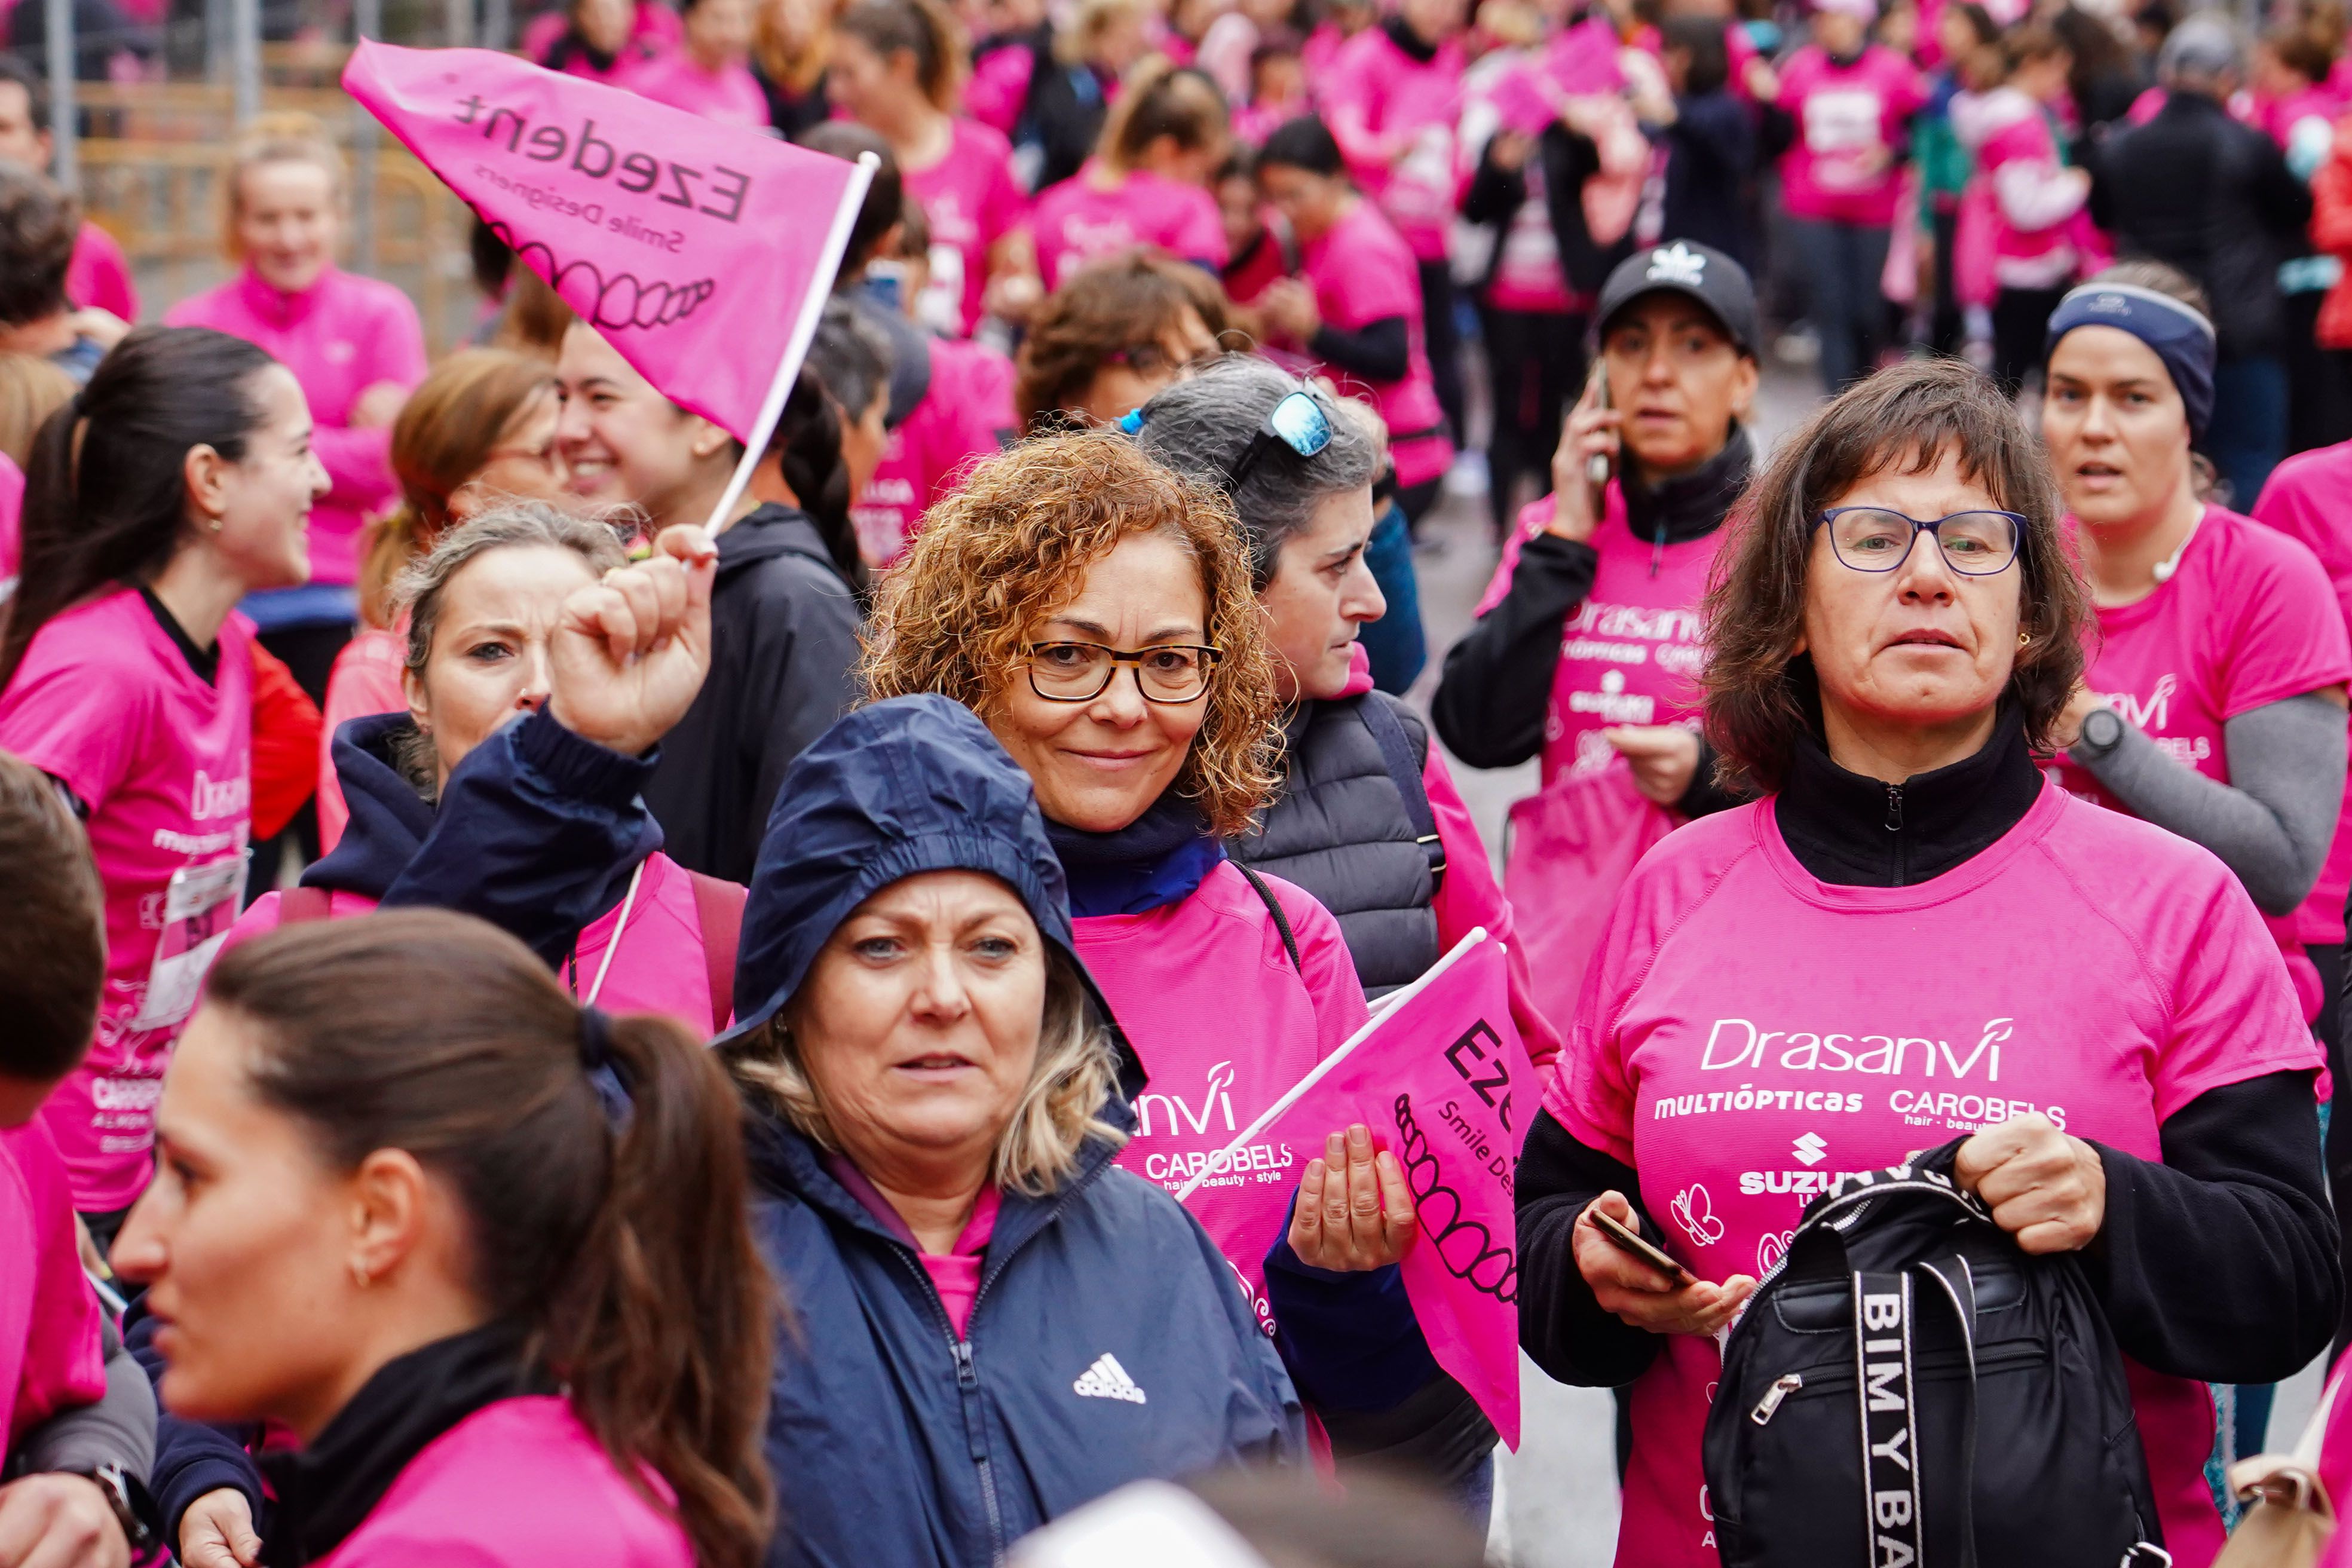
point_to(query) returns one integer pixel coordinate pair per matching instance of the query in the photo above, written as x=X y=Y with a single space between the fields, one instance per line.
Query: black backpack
x=1910 y=1388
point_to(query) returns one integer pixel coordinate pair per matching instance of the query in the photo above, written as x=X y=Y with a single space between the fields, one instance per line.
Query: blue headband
x=2176 y=334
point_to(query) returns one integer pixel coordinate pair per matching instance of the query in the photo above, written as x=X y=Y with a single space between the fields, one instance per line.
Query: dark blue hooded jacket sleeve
x=534 y=826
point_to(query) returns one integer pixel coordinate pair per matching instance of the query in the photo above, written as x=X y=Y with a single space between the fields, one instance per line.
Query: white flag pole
x=837 y=240
x=1221 y=1160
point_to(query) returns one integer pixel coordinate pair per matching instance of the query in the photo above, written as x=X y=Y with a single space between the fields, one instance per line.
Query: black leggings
x=1442 y=344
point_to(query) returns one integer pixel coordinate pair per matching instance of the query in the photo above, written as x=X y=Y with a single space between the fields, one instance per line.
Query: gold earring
x=2025 y=639
x=214 y=525
x=359 y=1275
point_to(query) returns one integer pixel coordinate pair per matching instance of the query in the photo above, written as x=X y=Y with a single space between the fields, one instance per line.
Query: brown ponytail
x=922 y=28
x=1162 y=98
x=627 y=1252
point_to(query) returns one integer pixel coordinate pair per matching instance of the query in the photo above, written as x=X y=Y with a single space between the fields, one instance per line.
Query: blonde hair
x=1015 y=543
x=285 y=136
x=31 y=389
x=1160 y=98
x=1088 y=22
x=444 y=436
x=1075 y=1073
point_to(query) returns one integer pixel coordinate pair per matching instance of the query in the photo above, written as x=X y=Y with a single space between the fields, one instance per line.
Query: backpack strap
x=300 y=906
x=1405 y=771
x=1885 y=1384
x=1281 y=920
x=719 y=909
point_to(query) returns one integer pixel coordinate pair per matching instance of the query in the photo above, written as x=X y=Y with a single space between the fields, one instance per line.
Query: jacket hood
x=1977 y=115
x=767 y=531
x=896 y=789
x=389 y=819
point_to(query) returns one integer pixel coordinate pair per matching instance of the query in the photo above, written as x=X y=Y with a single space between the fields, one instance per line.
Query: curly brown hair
x=1014 y=545
x=1761 y=696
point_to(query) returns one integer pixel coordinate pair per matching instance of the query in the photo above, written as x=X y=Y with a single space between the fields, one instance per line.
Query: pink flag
x=1440 y=1077
x=702 y=252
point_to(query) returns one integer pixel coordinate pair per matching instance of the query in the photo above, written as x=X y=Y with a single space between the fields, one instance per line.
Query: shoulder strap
x=719 y=909
x=1273 y=907
x=1406 y=770
x=300 y=906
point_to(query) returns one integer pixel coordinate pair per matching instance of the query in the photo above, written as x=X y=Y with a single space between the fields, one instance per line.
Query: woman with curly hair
x=1098 y=612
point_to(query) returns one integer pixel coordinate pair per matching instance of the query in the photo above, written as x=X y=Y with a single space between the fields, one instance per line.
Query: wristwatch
x=134 y=1510
x=2103 y=731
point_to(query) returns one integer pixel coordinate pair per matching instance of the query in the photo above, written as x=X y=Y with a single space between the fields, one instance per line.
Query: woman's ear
x=1743 y=388
x=206 y=475
x=389 y=1195
x=709 y=438
x=420 y=711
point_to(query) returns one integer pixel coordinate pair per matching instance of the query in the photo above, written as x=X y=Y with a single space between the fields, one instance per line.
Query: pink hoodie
x=518 y=1484
x=660 y=967
x=340 y=336
x=1393 y=117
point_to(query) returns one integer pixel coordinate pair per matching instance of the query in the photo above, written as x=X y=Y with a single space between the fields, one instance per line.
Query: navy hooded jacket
x=891 y=1442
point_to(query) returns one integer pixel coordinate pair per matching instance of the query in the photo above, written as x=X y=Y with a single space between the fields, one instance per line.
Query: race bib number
x=1841 y=129
x=199 y=904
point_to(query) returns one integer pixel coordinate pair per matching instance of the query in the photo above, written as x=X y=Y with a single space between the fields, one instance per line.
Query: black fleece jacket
x=2219 y=1263
x=1495 y=691
x=784 y=645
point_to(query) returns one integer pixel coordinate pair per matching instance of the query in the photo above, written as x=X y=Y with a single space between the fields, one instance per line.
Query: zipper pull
x=1658 y=548
x=1787 y=1384
x=966 y=1375
x=1893 y=808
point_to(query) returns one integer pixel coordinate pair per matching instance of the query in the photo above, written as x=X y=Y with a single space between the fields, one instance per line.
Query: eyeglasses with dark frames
x=1172 y=673
x=1878 y=538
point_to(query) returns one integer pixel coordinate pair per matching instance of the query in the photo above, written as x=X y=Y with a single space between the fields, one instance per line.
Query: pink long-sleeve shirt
x=340 y=336
x=1393 y=117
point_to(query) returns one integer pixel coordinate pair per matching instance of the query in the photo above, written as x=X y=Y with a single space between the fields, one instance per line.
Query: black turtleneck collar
x=1857 y=832
x=325 y=1491
x=1402 y=34
x=1693 y=505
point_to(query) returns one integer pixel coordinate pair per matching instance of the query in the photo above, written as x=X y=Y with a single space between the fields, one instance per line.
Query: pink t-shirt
x=518 y=1484
x=2247 y=619
x=660 y=966
x=11 y=518
x=971 y=201
x=1362 y=273
x=1079 y=220
x=50 y=1358
x=956 y=1274
x=2088 y=967
x=2309 y=498
x=731 y=96
x=1224 y=1024
x=1848 y=118
x=366 y=680
x=105 y=702
x=1381 y=103
x=99 y=276
x=965 y=415
x=999 y=86
x=340 y=336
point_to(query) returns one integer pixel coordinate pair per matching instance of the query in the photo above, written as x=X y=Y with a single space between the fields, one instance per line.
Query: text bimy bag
x=1910 y=1388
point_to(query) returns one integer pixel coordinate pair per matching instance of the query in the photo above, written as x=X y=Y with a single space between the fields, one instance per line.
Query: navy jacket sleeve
x=1348 y=1339
x=191 y=1458
x=531 y=827
x=1377 y=351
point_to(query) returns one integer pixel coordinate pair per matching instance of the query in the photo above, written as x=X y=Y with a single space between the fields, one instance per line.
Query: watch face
x=2103 y=728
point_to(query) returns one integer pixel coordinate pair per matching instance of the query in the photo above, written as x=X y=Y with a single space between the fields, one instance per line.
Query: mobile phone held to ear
x=1596 y=467
x=1625 y=1239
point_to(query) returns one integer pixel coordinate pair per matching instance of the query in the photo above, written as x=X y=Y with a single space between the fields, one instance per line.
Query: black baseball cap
x=1697 y=271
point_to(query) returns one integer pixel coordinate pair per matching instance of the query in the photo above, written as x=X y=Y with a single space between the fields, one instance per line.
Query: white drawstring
x=604 y=965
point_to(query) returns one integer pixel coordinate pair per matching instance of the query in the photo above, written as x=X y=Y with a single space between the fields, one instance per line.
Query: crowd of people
x=565 y=1009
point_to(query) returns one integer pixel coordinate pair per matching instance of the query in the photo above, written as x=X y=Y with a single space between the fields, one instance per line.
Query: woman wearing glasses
x=1367 y=820
x=1914 y=936
x=1096 y=610
x=482 y=424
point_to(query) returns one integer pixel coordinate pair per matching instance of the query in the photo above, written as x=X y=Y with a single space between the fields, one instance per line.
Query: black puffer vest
x=1341 y=829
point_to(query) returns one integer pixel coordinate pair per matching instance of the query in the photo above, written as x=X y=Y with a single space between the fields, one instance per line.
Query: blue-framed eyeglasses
x=1875 y=539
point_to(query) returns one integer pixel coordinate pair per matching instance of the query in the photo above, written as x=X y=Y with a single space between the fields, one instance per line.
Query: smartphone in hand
x=1596 y=467
x=1624 y=1238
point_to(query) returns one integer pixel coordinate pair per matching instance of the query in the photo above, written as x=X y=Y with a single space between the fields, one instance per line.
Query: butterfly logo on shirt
x=1772 y=1251
x=1695 y=1212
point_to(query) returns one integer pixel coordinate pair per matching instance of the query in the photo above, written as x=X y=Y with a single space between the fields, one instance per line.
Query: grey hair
x=1201 y=425
x=2205 y=50
x=1075 y=1073
x=418 y=592
x=852 y=357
